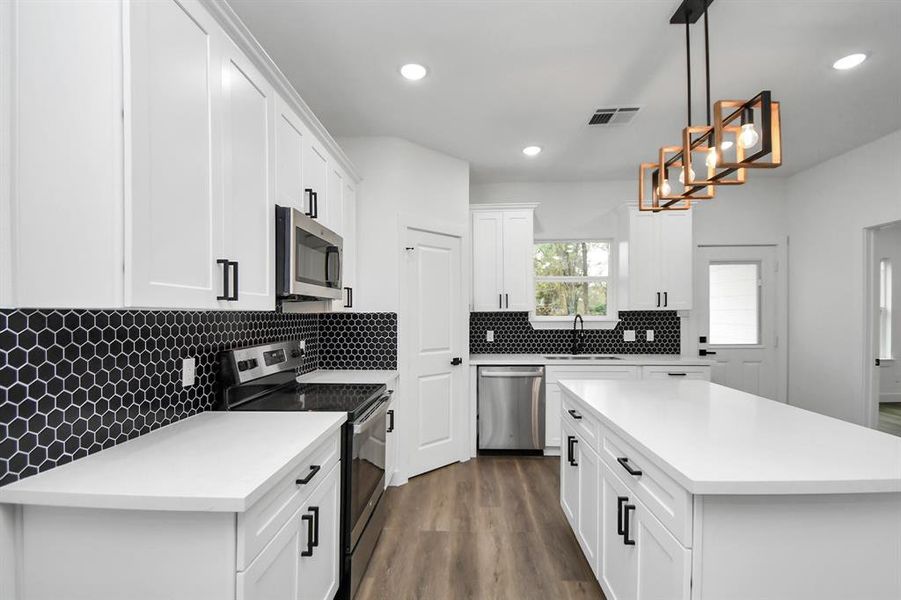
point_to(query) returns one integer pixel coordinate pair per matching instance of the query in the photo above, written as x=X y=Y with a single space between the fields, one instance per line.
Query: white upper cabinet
x=348 y=233
x=315 y=180
x=655 y=260
x=247 y=175
x=332 y=215
x=502 y=261
x=291 y=137
x=172 y=208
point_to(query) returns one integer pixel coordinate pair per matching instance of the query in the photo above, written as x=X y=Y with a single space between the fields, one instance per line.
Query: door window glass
x=734 y=303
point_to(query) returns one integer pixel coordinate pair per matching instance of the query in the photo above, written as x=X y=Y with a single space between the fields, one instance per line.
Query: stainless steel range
x=263 y=378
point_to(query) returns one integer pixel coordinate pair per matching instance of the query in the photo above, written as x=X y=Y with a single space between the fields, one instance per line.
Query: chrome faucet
x=578 y=341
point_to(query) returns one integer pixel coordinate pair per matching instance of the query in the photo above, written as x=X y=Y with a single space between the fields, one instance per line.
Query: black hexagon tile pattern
x=73 y=382
x=358 y=341
x=514 y=334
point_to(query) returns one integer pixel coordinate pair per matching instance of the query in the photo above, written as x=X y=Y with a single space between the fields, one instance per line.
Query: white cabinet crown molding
x=505 y=206
x=244 y=39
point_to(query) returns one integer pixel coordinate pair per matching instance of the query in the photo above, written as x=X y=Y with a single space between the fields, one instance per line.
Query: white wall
x=829 y=206
x=399 y=178
x=888 y=245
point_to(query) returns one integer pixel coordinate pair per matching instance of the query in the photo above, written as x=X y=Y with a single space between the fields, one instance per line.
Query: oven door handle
x=380 y=408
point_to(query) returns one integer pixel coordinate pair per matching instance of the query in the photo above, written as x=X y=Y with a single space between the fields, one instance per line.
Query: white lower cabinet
x=588 y=515
x=569 y=478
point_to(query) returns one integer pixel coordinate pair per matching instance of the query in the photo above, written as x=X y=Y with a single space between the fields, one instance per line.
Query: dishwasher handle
x=500 y=373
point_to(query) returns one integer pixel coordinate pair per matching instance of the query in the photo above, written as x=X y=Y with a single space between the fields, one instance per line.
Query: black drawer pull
x=676 y=374
x=574 y=414
x=620 y=500
x=309 y=520
x=624 y=461
x=627 y=509
x=313 y=470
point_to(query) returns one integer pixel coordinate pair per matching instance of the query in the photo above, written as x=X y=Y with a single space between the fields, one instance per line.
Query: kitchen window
x=885 y=308
x=573 y=277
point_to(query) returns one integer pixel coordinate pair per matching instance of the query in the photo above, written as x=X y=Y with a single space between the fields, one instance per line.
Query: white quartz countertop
x=716 y=440
x=213 y=461
x=349 y=376
x=623 y=359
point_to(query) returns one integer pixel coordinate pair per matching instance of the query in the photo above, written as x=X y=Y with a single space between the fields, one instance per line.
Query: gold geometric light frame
x=770 y=129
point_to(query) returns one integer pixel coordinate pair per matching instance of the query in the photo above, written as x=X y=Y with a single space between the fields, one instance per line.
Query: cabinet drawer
x=582 y=423
x=666 y=499
x=676 y=373
x=555 y=373
x=263 y=519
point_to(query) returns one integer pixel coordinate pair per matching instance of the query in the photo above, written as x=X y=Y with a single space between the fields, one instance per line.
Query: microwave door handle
x=329 y=253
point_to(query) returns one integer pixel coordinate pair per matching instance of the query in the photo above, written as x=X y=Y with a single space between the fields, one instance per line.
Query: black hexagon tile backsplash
x=73 y=382
x=514 y=334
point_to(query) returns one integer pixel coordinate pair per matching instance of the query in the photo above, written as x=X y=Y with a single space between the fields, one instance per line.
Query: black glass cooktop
x=353 y=399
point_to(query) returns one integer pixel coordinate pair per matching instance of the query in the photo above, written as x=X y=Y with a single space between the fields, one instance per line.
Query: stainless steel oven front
x=308 y=257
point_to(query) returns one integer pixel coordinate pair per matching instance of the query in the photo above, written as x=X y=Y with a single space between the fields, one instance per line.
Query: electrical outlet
x=649 y=335
x=629 y=335
x=303 y=345
x=188 y=372
x=489 y=336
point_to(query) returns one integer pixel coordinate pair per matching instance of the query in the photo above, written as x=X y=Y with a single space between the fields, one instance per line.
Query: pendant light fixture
x=744 y=134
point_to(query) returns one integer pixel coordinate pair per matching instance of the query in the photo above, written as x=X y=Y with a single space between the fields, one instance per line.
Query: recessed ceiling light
x=849 y=62
x=531 y=150
x=413 y=71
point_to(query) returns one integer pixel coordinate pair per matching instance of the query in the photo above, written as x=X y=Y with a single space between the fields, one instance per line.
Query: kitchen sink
x=582 y=357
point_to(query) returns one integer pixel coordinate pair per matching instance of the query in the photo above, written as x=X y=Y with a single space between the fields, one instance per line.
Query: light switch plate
x=188 y=372
x=629 y=335
x=649 y=335
x=303 y=345
x=489 y=336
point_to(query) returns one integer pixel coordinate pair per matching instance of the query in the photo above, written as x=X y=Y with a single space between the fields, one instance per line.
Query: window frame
x=885 y=342
x=607 y=321
x=760 y=333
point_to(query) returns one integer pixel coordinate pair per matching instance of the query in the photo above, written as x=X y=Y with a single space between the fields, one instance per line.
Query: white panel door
x=664 y=565
x=735 y=304
x=275 y=573
x=552 y=415
x=315 y=179
x=588 y=526
x=333 y=215
x=519 y=293
x=172 y=207
x=248 y=209
x=290 y=136
x=675 y=244
x=618 y=561
x=644 y=268
x=437 y=399
x=487 y=260
x=319 y=570
x=569 y=476
x=349 y=257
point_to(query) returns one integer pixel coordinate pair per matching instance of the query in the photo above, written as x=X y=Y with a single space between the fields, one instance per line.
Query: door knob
x=456 y=361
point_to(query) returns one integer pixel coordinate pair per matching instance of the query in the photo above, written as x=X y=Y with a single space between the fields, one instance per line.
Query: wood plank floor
x=890 y=418
x=488 y=528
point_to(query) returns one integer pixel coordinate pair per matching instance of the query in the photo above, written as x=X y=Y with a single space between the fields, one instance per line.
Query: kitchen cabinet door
x=248 y=106
x=487 y=260
x=315 y=178
x=618 y=561
x=664 y=565
x=675 y=241
x=319 y=571
x=644 y=268
x=349 y=236
x=587 y=507
x=275 y=574
x=391 y=440
x=569 y=476
x=291 y=138
x=173 y=206
x=519 y=294
x=333 y=214
x=552 y=415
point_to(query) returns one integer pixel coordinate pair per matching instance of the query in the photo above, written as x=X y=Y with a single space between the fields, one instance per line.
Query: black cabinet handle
x=225 y=278
x=574 y=414
x=620 y=500
x=572 y=452
x=390 y=421
x=309 y=193
x=658 y=299
x=350 y=297
x=703 y=352
x=315 y=214
x=500 y=301
x=456 y=361
x=624 y=461
x=665 y=299
x=507 y=296
x=313 y=470
x=309 y=520
x=234 y=265
x=315 y=512
x=676 y=374
x=627 y=509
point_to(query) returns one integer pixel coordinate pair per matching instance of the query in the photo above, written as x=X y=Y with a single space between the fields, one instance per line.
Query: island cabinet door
x=569 y=476
x=320 y=554
x=618 y=562
x=588 y=518
x=275 y=573
x=664 y=565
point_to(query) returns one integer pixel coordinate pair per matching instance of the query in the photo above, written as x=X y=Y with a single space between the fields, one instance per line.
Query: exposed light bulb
x=748 y=137
x=665 y=188
x=726 y=145
x=711 y=158
x=691 y=175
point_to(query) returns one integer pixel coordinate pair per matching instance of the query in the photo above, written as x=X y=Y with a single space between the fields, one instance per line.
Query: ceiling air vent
x=613 y=116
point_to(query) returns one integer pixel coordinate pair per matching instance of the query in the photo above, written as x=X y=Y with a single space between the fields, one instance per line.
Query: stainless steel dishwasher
x=511 y=408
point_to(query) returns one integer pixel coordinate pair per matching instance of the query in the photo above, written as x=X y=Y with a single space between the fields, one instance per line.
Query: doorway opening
x=883 y=301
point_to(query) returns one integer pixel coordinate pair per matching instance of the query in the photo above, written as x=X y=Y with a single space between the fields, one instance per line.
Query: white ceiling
x=506 y=74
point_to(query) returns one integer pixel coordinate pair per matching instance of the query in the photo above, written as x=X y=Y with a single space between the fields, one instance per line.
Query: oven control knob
x=295 y=353
x=244 y=365
x=252 y=363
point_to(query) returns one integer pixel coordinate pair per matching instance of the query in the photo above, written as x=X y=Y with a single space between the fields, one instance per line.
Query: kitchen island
x=687 y=489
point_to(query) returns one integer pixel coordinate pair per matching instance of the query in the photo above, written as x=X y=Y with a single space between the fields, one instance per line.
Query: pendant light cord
x=688 y=61
x=707 y=61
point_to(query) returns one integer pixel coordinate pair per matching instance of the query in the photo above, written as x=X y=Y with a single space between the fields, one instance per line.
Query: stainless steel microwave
x=308 y=257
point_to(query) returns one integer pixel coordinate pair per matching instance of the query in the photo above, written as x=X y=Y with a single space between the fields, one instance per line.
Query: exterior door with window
x=736 y=308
